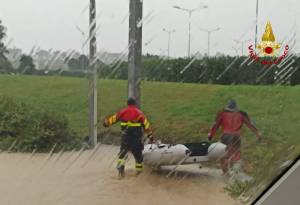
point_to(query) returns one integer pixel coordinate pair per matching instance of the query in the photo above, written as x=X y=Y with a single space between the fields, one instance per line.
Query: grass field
x=179 y=112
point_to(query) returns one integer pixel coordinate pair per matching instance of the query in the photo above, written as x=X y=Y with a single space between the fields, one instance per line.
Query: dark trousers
x=132 y=141
x=233 y=151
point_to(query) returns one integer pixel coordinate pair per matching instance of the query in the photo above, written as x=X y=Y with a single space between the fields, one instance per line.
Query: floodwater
x=90 y=178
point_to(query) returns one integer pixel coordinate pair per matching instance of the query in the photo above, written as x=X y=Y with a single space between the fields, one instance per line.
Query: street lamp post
x=190 y=11
x=256 y=22
x=82 y=47
x=208 y=37
x=82 y=39
x=169 y=39
x=242 y=44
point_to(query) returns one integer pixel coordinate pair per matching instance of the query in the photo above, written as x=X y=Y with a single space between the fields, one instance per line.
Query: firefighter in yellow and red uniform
x=133 y=124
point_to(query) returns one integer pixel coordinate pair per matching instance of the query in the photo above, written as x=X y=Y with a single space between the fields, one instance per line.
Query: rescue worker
x=133 y=123
x=231 y=119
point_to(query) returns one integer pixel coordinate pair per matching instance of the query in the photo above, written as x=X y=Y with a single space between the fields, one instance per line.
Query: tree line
x=225 y=70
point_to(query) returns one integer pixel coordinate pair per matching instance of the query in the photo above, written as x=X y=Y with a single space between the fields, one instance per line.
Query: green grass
x=179 y=112
x=183 y=111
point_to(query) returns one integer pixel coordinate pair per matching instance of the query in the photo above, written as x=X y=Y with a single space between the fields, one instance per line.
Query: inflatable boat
x=179 y=154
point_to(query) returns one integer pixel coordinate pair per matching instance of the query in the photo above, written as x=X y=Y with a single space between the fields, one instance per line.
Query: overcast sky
x=51 y=23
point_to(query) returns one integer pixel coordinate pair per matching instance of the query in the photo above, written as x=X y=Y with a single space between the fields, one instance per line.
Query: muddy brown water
x=74 y=179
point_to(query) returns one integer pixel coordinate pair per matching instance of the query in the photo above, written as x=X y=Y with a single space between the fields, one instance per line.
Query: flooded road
x=90 y=178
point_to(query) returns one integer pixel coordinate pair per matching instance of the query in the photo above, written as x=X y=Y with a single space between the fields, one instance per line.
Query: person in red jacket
x=133 y=124
x=231 y=119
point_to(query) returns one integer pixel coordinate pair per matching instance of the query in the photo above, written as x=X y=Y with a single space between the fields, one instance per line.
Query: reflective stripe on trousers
x=121 y=162
x=139 y=167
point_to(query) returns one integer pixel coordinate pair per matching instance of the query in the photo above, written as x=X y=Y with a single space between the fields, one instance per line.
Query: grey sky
x=51 y=24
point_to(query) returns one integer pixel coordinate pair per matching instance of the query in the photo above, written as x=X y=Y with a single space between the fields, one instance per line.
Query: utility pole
x=256 y=22
x=135 y=50
x=169 y=39
x=190 y=12
x=208 y=38
x=92 y=74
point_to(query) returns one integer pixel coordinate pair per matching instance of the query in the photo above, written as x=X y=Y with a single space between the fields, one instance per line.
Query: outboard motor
x=204 y=151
